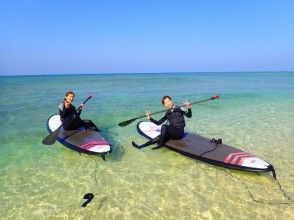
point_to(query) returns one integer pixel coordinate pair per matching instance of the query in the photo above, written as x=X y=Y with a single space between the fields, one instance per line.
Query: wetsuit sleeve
x=62 y=111
x=159 y=122
x=188 y=114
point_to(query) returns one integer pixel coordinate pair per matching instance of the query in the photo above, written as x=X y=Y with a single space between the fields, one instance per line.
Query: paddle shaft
x=84 y=103
x=192 y=103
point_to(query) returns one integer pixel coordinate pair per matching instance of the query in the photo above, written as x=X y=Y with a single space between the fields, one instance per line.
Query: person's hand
x=187 y=104
x=81 y=106
x=148 y=115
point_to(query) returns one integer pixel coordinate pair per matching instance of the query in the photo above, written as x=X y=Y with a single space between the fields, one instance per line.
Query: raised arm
x=189 y=107
x=188 y=114
x=159 y=122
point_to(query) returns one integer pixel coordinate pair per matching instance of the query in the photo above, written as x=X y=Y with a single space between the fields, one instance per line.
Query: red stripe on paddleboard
x=234 y=161
x=94 y=143
x=227 y=160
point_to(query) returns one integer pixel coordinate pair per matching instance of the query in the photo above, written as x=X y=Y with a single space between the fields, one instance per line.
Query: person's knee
x=67 y=124
x=163 y=129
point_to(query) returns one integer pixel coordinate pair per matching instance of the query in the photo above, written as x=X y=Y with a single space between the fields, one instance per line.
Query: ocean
x=255 y=113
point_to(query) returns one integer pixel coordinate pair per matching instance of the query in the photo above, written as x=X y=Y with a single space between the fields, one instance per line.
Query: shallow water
x=255 y=113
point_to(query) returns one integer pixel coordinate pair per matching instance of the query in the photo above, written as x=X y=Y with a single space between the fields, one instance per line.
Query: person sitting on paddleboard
x=68 y=110
x=176 y=123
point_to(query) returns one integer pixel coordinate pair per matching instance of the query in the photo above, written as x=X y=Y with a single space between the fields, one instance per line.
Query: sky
x=76 y=37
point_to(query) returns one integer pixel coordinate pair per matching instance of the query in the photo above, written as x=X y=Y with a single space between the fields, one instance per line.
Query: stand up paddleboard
x=84 y=141
x=209 y=151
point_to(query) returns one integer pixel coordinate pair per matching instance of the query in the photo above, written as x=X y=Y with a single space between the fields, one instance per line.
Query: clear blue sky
x=55 y=36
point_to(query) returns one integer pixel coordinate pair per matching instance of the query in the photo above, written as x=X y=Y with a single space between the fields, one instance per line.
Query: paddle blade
x=51 y=138
x=125 y=123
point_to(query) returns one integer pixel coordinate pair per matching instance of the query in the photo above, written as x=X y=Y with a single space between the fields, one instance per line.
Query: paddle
x=51 y=138
x=125 y=123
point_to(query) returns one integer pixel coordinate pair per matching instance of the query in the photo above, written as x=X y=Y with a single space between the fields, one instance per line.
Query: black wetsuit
x=173 y=130
x=74 y=122
x=175 y=127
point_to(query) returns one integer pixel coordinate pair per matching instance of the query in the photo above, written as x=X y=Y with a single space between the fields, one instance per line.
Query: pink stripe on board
x=227 y=160
x=234 y=161
x=94 y=143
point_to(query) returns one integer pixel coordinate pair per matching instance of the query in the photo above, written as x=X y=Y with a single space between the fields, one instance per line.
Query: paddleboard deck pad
x=204 y=149
x=84 y=141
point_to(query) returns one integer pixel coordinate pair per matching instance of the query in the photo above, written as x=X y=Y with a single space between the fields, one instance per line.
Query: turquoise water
x=255 y=113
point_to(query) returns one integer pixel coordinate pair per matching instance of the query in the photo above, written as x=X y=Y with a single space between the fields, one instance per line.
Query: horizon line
x=124 y=73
